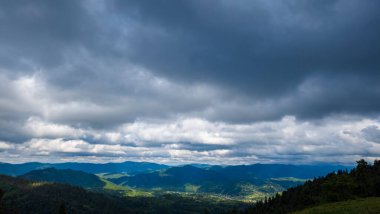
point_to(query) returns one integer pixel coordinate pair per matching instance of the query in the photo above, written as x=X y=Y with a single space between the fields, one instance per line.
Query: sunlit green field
x=111 y=175
x=126 y=191
x=358 y=206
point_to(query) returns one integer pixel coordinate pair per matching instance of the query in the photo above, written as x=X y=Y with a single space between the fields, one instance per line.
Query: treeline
x=362 y=181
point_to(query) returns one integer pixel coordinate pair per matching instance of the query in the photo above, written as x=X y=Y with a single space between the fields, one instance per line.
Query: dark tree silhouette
x=362 y=181
x=2 y=208
x=62 y=208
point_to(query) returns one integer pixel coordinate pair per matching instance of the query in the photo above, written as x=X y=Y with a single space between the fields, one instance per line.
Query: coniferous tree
x=1 y=202
x=62 y=208
x=362 y=181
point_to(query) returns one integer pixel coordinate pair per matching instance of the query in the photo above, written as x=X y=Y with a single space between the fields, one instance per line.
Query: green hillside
x=362 y=206
x=67 y=176
x=123 y=190
x=22 y=196
x=82 y=179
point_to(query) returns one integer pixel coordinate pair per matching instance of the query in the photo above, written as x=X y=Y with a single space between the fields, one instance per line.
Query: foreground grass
x=362 y=206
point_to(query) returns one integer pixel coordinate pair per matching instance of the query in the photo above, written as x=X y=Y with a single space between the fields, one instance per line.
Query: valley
x=259 y=188
x=246 y=183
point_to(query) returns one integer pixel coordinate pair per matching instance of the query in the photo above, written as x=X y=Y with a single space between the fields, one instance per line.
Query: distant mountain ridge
x=128 y=167
x=132 y=168
x=278 y=170
x=239 y=172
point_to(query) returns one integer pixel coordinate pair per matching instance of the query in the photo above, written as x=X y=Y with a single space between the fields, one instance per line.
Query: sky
x=190 y=81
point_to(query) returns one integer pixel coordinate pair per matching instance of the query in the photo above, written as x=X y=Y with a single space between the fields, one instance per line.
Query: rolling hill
x=81 y=179
x=22 y=196
x=67 y=176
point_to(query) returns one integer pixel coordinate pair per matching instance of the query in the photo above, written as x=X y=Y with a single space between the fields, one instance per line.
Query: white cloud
x=199 y=140
x=38 y=128
x=5 y=146
x=66 y=123
x=182 y=130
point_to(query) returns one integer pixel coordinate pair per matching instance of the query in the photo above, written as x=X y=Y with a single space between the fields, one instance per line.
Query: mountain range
x=127 y=167
x=133 y=168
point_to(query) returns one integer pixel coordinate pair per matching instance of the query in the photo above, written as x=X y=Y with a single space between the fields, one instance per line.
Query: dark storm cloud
x=372 y=133
x=40 y=31
x=262 y=47
x=261 y=51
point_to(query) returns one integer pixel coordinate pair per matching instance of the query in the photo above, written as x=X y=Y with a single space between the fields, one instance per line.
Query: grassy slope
x=363 y=206
x=126 y=191
x=111 y=175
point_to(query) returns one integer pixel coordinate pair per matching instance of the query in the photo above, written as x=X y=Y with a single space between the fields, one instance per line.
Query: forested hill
x=67 y=176
x=22 y=196
x=362 y=181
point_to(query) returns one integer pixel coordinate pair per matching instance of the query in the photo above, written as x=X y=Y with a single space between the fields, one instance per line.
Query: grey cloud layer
x=262 y=50
x=264 y=47
x=80 y=71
